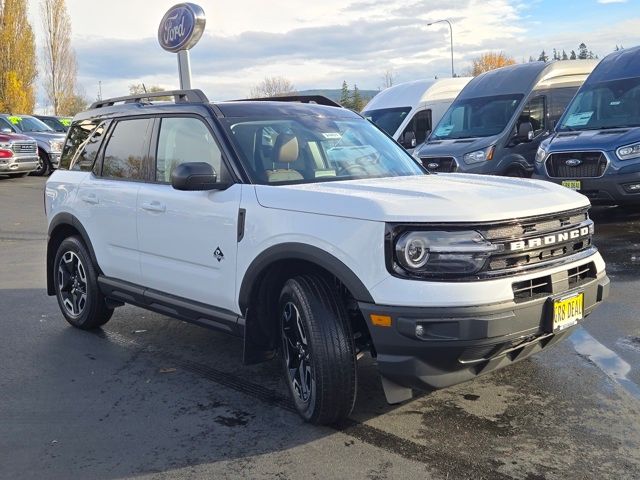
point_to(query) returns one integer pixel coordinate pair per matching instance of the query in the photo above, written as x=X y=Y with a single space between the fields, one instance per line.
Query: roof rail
x=317 y=99
x=179 y=96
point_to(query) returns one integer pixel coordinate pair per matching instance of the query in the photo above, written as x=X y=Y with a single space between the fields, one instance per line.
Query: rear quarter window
x=82 y=145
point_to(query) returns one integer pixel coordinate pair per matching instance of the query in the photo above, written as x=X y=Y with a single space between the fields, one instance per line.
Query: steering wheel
x=354 y=170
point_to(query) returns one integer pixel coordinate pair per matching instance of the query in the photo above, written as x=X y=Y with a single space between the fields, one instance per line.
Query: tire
x=317 y=350
x=18 y=175
x=44 y=166
x=76 y=285
x=516 y=172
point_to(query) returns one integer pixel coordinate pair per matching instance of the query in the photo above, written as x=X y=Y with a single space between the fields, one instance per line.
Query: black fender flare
x=60 y=220
x=301 y=251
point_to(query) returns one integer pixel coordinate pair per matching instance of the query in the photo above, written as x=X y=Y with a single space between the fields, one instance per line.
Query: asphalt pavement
x=147 y=396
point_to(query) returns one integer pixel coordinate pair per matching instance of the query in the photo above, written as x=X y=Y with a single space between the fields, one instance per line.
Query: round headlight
x=416 y=251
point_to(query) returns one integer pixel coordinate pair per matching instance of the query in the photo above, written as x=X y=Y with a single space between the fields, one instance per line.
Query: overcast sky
x=319 y=44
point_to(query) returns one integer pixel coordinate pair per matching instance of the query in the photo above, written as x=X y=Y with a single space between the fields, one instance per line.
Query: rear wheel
x=76 y=284
x=317 y=349
x=44 y=166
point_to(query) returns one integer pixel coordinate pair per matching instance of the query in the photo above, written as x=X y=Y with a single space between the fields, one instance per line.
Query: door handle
x=90 y=198
x=154 y=206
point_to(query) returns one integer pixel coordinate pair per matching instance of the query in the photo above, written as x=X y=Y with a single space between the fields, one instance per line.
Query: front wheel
x=76 y=284
x=317 y=350
x=44 y=166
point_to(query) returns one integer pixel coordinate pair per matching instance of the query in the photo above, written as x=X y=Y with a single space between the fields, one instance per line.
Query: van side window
x=126 y=155
x=535 y=112
x=420 y=125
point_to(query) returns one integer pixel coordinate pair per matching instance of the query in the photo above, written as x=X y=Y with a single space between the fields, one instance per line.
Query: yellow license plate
x=567 y=311
x=572 y=184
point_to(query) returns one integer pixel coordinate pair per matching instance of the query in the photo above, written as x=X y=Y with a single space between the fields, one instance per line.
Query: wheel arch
x=62 y=226
x=516 y=161
x=263 y=280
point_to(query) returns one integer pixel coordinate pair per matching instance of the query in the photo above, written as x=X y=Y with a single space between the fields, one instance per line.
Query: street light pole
x=451 y=37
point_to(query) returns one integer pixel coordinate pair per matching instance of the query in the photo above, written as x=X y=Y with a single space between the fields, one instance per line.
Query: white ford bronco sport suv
x=302 y=228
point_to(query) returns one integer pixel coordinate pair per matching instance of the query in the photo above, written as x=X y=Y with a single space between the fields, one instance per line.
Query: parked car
x=18 y=155
x=302 y=228
x=57 y=124
x=499 y=119
x=596 y=146
x=408 y=111
x=49 y=142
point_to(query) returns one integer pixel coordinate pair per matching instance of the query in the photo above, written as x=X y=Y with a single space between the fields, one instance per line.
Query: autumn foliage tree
x=490 y=61
x=18 y=70
x=59 y=57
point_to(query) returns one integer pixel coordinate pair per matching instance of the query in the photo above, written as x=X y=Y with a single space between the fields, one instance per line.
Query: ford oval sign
x=181 y=27
x=573 y=162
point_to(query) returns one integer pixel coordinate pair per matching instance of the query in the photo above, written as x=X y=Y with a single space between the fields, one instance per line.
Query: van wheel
x=76 y=284
x=317 y=350
x=44 y=166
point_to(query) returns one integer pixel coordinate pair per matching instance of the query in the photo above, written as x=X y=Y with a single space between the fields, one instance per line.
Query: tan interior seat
x=286 y=150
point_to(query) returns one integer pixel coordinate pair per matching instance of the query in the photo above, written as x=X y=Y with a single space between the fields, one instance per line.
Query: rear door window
x=126 y=155
x=82 y=144
x=535 y=112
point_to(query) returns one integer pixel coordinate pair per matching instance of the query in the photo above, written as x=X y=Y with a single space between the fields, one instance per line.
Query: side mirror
x=194 y=176
x=525 y=132
x=408 y=140
x=6 y=130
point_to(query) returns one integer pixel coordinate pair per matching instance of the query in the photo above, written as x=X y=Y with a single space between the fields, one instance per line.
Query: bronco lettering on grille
x=552 y=239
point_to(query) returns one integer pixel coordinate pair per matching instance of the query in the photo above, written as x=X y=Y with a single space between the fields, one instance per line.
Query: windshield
x=29 y=124
x=477 y=117
x=310 y=149
x=388 y=119
x=611 y=104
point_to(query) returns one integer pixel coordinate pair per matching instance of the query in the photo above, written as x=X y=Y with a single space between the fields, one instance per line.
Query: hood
x=425 y=198
x=13 y=137
x=46 y=136
x=608 y=140
x=455 y=148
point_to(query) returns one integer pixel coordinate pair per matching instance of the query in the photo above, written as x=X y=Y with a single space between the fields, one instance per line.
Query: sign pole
x=179 y=31
x=184 y=69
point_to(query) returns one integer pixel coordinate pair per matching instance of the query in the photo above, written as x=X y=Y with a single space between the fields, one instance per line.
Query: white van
x=408 y=111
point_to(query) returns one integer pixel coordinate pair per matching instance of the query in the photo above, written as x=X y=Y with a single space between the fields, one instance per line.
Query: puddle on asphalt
x=607 y=360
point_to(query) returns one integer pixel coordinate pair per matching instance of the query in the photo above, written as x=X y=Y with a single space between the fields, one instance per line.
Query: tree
x=490 y=61
x=273 y=87
x=345 y=97
x=543 y=57
x=18 y=70
x=77 y=103
x=573 y=55
x=388 y=79
x=564 y=55
x=59 y=57
x=583 y=52
x=556 y=56
x=357 y=102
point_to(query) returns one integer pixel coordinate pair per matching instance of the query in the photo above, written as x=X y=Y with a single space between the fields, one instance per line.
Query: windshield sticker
x=578 y=119
x=332 y=136
x=14 y=119
x=65 y=121
x=444 y=130
x=615 y=103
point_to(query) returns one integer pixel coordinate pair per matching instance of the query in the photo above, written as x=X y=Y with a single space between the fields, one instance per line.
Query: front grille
x=557 y=283
x=24 y=148
x=576 y=164
x=439 y=164
x=528 y=243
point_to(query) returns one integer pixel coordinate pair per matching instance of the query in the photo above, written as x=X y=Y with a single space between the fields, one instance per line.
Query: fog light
x=419 y=331
x=632 y=187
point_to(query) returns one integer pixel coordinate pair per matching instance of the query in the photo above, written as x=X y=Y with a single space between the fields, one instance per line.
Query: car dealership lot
x=148 y=396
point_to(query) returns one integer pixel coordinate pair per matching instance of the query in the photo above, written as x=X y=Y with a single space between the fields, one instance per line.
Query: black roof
x=624 y=63
x=520 y=78
x=262 y=108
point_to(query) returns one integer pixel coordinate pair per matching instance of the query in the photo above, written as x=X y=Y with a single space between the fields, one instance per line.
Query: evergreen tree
x=583 y=51
x=357 y=102
x=555 y=54
x=531 y=59
x=18 y=61
x=543 y=57
x=591 y=55
x=345 y=98
x=573 y=55
x=564 y=55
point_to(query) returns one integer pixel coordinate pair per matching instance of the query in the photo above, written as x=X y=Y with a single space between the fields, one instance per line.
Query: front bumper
x=606 y=190
x=18 y=165
x=461 y=343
